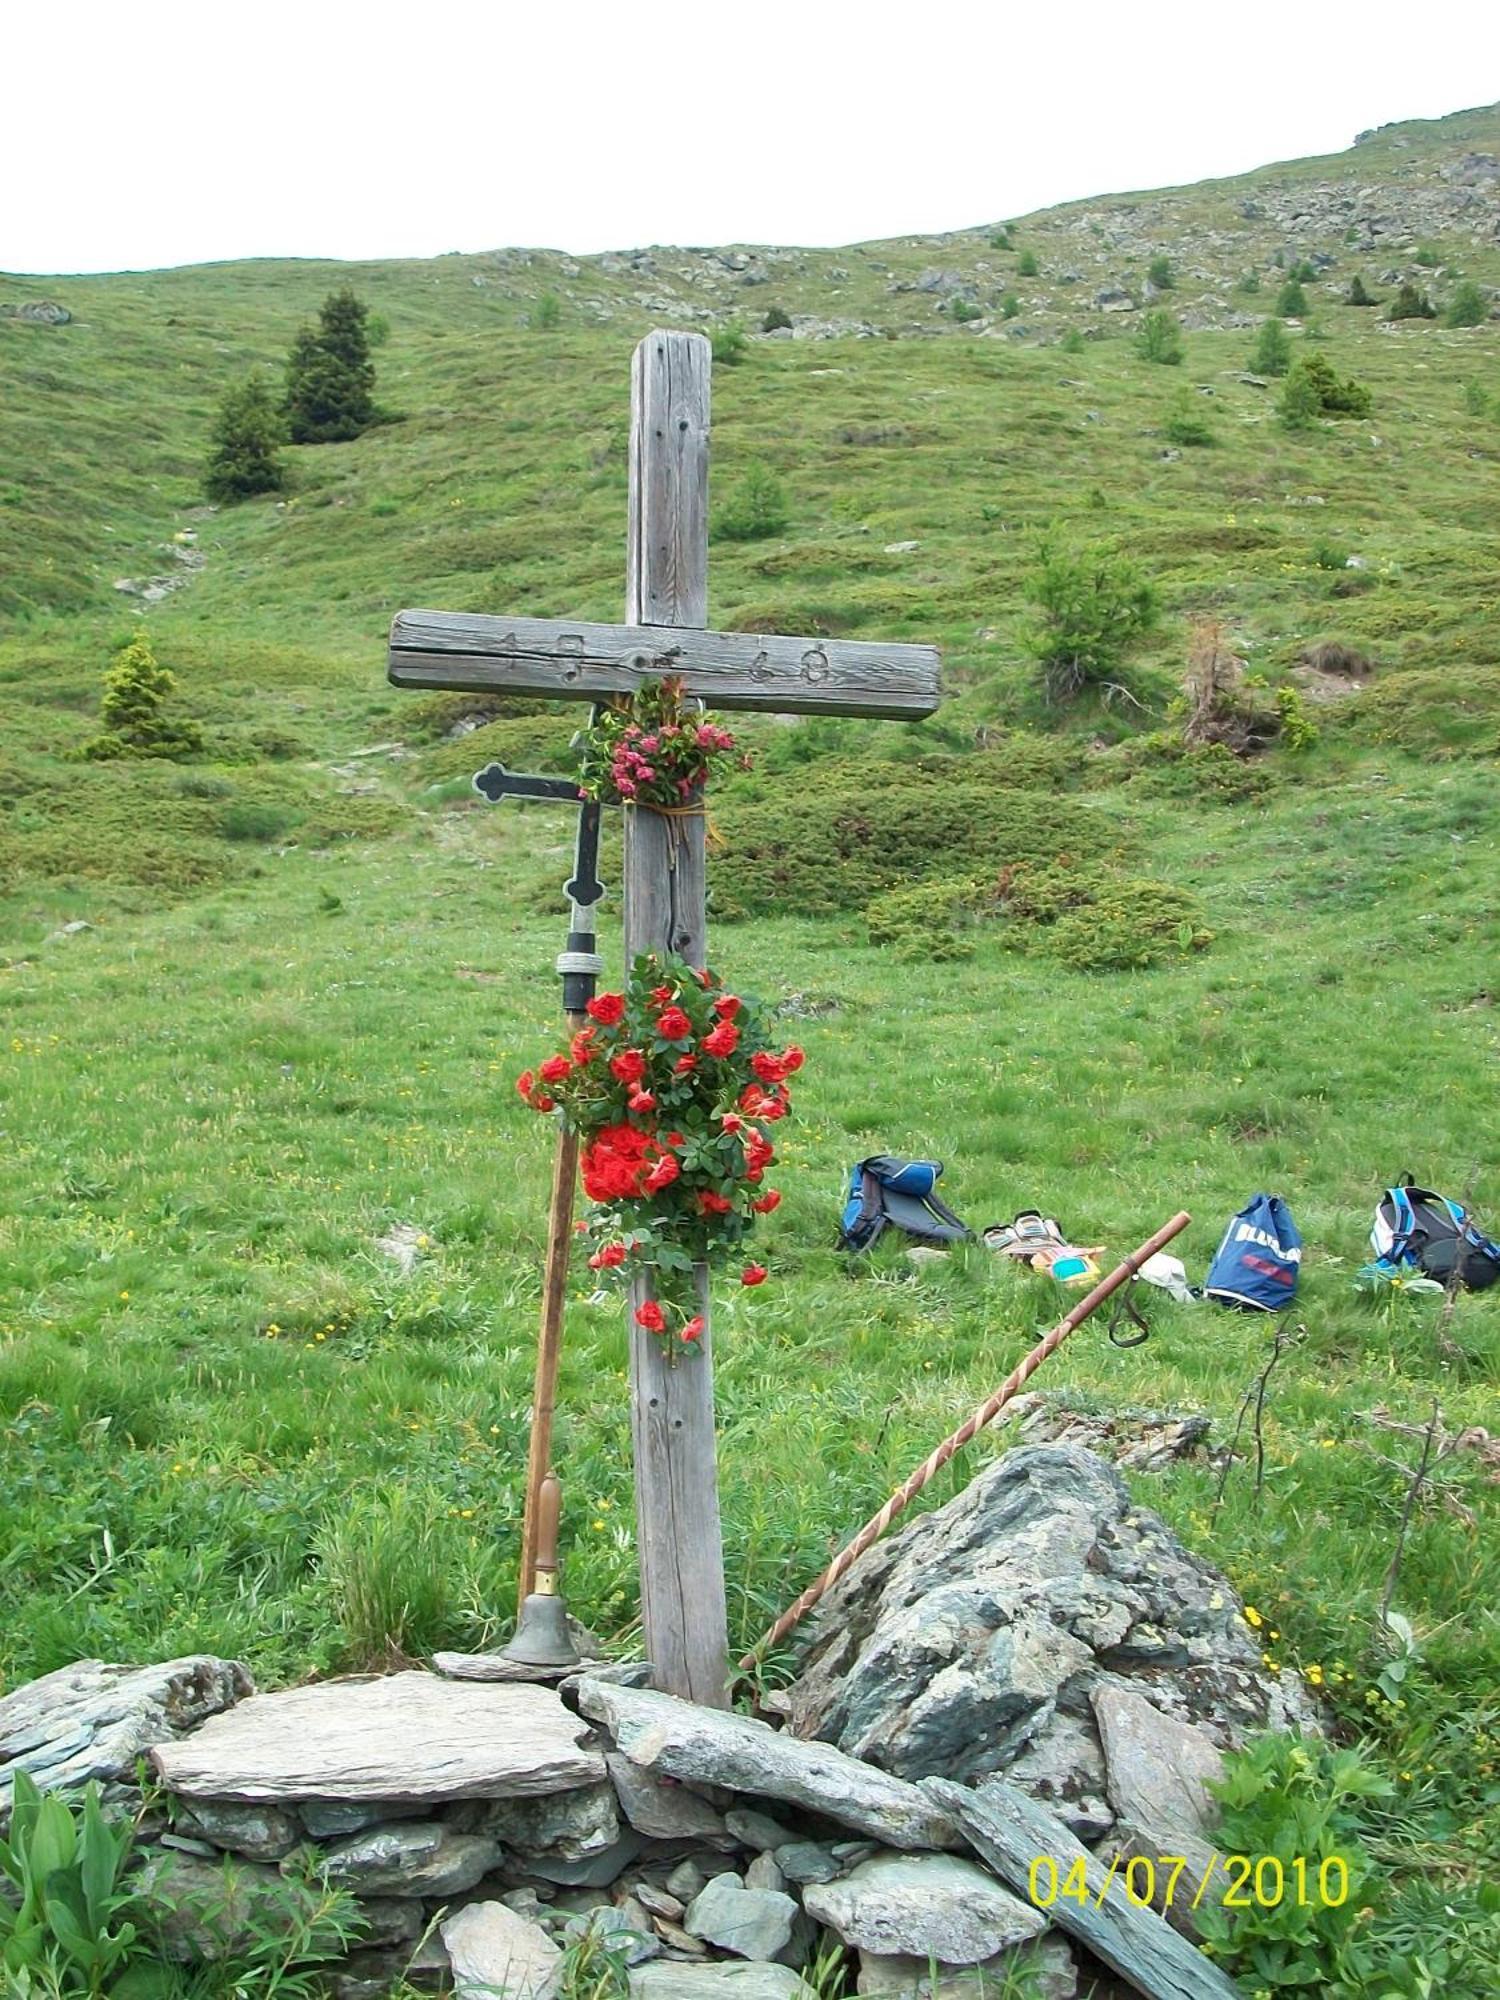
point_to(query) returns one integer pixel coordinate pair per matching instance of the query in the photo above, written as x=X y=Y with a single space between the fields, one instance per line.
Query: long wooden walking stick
x=876 y=1526
x=579 y=966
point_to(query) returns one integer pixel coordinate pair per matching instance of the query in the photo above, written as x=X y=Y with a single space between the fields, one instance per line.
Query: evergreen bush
x=547 y=312
x=1272 y=352
x=1160 y=338
x=964 y=311
x=1010 y=306
x=1249 y=284
x=1291 y=300
x=777 y=320
x=135 y=688
x=247 y=436
x=1358 y=295
x=1185 y=424
x=1467 y=307
x=1026 y=264
x=1160 y=272
x=330 y=377
x=1409 y=303
x=757 y=509
x=728 y=345
x=1094 y=606
x=1336 y=396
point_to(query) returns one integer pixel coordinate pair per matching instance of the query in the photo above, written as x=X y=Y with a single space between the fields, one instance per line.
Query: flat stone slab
x=672 y=1979
x=923 y=1906
x=495 y=1667
x=752 y=1923
x=404 y=1738
x=706 y=1746
x=93 y=1720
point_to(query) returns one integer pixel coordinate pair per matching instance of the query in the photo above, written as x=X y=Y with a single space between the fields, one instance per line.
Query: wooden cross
x=666 y=611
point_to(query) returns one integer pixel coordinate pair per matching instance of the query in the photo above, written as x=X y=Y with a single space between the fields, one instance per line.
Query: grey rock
x=659 y=1902
x=407 y=1737
x=1159 y=1773
x=668 y=1980
x=391 y=1920
x=260 y=1833
x=593 y=1871
x=525 y=1902
x=212 y=1909
x=752 y=1923
x=686 y=1880
x=185 y=1845
x=661 y=1809
x=808 y=1861
x=764 y=1874
x=567 y=1826
x=756 y=1829
x=329 y=1819
x=1047 y=1962
x=40 y=312
x=495 y=1951
x=710 y=1747
x=374 y=1975
x=418 y=1858
x=676 y=1939
x=924 y=1905
x=975 y=1637
x=612 y=1925
x=93 y=1720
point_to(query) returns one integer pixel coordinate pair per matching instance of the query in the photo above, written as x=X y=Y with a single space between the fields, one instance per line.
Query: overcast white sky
x=139 y=135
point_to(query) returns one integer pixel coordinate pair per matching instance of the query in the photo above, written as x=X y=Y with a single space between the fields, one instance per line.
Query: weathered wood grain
x=683 y=1612
x=1010 y=1831
x=573 y=661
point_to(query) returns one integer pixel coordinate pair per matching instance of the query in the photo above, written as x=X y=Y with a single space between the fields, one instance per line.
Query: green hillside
x=263 y=1004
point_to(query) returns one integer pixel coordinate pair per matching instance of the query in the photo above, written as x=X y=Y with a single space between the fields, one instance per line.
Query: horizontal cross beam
x=747 y=670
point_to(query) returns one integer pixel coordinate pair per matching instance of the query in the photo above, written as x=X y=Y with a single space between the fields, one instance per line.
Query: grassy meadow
x=310 y=966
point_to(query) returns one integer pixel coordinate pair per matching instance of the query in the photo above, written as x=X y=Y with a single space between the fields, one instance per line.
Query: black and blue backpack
x=1260 y=1259
x=1417 y=1230
x=885 y=1192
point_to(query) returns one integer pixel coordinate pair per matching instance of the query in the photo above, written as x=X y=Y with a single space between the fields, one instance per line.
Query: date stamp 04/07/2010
x=1238 y=1881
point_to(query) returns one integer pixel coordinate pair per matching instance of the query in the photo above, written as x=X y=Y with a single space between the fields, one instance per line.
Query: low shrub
x=1432 y=713
x=1467 y=307
x=965 y=311
x=1185 y=424
x=1314 y=390
x=729 y=346
x=1272 y=352
x=847 y=840
x=1160 y=272
x=1410 y=303
x=1090 y=919
x=351 y=818
x=1162 y=765
x=541 y=742
x=1160 y=338
x=1026 y=264
x=1291 y=300
x=1129 y=925
x=1095 y=605
x=1010 y=306
x=1358 y=295
x=756 y=510
x=777 y=320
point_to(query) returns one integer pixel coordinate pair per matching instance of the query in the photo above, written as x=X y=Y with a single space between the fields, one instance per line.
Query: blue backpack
x=1417 y=1230
x=1260 y=1258
x=885 y=1191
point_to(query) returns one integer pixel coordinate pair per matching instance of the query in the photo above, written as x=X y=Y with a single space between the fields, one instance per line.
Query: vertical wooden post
x=680 y=1546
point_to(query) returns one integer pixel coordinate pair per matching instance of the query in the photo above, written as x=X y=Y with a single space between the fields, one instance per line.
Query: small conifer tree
x=1026 y=264
x=330 y=377
x=247 y=438
x=1160 y=338
x=1468 y=306
x=1160 y=272
x=1300 y=405
x=1359 y=295
x=135 y=687
x=758 y=509
x=1291 y=300
x=548 y=312
x=777 y=320
x=1272 y=352
x=1409 y=303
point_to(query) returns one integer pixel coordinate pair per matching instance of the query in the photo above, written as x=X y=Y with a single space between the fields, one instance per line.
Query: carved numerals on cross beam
x=747 y=670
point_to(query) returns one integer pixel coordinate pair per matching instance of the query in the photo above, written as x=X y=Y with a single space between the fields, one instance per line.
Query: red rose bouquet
x=654 y=748
x=672 y=1088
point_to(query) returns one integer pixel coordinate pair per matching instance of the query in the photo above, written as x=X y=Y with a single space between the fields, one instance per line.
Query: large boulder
x=976 y=1642
x=94 y=1720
